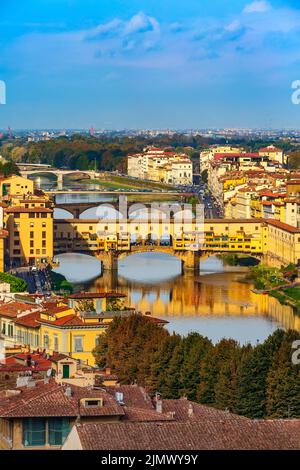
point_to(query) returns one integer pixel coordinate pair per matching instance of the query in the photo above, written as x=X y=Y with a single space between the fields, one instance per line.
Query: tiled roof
x=195 y=435
x=41 y=400
x=51 y=400
x=96 y=295
x=186 y=410
x=133 y=396
x=30 y=209
x=29 y=320
x=69 y=321
x=283 y=226
x=144 y=415
x=13 y=309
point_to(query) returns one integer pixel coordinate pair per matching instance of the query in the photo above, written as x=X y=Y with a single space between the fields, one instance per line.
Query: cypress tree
x=283 y=382
x=251 y=393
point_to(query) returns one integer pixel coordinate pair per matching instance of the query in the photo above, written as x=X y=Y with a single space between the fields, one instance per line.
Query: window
x=4 y=328
x=31 y=234
x=78 y=344
x=43 y=234
x=55 y=343
x=34 y=432
x=10 y=330
x=59 y=429
x=46 y=341
x=93 y=403
x=31 y=243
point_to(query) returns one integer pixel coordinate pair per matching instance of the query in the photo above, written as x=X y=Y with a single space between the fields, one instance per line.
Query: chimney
x=158 y=402
x=68 y=392
x=190 y=410
x=107 y=371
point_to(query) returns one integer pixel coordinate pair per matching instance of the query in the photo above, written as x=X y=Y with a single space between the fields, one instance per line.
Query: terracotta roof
x=29 y=320
x=215 y=435
x=13 y=309
x=29 y=209
x=133 y=396
x=144 y=415
x=186 y=410
x=270 y=149
x=69 y=321
x=97 y=295
x=158 y=321
x=51 y=400
x=283 y=226
x=42 y=400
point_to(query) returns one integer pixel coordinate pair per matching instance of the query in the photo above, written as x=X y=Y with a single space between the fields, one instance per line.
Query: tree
x=252 y=380
x=283 y=381
x=131 y=345
x=196 y=347
x=227 y=381
x=16 y=284
x=158 y=376
x=211 y=366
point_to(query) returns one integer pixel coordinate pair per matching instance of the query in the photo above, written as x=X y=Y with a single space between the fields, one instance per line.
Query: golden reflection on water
x=212 y=295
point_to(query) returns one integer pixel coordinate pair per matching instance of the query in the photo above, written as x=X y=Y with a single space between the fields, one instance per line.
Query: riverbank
x=123 y=182
x=281 y=284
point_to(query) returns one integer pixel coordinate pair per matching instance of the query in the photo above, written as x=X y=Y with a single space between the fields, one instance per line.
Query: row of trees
x=106 y=153
x=258 y=382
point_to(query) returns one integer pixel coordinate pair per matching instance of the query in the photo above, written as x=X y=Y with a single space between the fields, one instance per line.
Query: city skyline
x=71 y=64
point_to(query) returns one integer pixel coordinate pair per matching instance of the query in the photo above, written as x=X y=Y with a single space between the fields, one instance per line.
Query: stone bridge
x=60 y=174
x=124 y=209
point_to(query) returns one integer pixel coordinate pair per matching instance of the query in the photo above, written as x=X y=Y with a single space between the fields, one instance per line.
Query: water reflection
x=216 y=303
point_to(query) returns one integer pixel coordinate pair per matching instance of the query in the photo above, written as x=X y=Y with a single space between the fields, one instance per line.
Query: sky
x=140 y=64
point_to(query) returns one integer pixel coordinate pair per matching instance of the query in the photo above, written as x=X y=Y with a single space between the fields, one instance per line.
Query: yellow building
x=16 y=186
x=75 y=332
x=30 y=234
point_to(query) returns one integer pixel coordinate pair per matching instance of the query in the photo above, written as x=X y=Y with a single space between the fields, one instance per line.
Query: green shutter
x=59 y=429
x=34 y=432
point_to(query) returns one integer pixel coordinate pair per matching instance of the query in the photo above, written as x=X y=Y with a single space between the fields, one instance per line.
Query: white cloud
x=234 y=26
x=258 y=6
x=141 y=23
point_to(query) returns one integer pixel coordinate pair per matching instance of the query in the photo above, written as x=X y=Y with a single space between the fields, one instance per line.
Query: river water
x=215 y=303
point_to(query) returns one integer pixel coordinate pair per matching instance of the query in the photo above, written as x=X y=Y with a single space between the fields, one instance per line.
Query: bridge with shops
x=112 y=240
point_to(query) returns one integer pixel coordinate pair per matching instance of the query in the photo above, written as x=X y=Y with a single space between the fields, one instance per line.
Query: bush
x=16 y=284
x=59 y=283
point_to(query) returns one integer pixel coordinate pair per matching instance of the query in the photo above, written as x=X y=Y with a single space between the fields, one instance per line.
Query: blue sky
x=149 y=64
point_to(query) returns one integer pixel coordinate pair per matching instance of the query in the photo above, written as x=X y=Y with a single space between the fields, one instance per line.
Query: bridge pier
x=190 y=262
x=60 y=181
x=109 y=261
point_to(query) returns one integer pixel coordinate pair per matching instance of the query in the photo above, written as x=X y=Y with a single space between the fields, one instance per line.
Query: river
x=215 y=303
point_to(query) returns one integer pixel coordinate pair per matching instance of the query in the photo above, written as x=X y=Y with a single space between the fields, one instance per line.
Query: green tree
x=131 y=345
x=16 y=284
x=252 y=380
x=283 y=381
x=158 y=376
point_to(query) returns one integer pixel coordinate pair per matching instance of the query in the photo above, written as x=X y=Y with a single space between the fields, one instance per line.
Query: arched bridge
x=58 y=173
